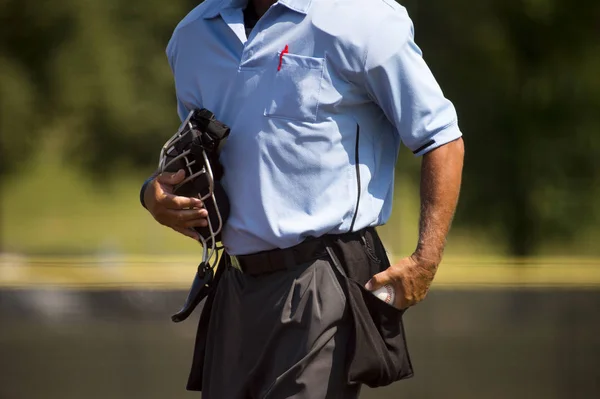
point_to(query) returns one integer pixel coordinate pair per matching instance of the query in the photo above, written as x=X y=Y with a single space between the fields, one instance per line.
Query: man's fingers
x=183 y=218
x=185 y=215
x=176 y=202
x=177 y=212
x=171 y=178
x=187 y=232
x=377 y=281
x=196 y=223
x=163 y=196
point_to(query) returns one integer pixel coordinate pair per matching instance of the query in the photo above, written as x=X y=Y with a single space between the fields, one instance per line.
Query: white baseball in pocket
x=386 y=294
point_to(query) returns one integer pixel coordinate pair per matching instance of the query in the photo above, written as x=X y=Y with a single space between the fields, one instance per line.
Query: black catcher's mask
x=195 y=149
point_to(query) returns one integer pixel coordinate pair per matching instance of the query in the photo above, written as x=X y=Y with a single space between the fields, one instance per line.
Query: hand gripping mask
x=195 y=149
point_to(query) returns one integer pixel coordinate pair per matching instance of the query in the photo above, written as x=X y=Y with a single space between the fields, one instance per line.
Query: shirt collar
x=300 y=6
x=214 y=8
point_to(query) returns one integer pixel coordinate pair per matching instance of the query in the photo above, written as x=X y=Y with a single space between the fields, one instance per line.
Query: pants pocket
x=379 y=354
x=377 y=350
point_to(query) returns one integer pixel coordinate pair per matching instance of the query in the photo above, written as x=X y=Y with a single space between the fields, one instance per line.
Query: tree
x=523 y=74
x=95 y=70
x=524 y=78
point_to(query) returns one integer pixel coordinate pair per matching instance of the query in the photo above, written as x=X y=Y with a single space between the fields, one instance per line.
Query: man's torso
x=300 y=125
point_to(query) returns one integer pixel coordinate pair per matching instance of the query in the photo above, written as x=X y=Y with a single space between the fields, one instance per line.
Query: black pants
x=309 y=330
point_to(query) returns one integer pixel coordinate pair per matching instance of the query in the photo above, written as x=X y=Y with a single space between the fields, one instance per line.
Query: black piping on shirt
x=421 y=148
x=358 y=189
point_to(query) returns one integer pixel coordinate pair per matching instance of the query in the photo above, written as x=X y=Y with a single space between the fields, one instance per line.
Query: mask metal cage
x=178 y=152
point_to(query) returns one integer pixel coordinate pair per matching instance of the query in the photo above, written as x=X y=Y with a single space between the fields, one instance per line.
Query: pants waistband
x=280 y=259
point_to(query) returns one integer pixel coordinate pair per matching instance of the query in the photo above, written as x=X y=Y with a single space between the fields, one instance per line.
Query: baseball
x=386 y=294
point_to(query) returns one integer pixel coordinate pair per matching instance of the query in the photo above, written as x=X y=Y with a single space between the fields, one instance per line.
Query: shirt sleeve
x=400 y=82
x=171 y=51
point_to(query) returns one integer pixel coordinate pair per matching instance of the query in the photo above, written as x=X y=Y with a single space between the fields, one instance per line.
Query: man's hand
x=179 y=213
x=411 y=278
x=441 y=172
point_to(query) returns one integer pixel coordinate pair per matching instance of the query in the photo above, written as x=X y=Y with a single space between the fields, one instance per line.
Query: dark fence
x=481 y=343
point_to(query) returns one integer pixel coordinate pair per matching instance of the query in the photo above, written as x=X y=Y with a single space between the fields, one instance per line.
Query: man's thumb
x=377 y=281
x=171 y=178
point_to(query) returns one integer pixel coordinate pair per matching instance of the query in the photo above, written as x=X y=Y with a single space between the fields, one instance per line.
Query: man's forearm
x=441 y=172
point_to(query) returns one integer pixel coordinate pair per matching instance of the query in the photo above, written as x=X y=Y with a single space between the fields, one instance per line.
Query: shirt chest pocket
x=294 y=88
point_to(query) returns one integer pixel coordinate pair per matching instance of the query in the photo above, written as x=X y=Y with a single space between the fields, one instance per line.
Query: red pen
x=285 y=50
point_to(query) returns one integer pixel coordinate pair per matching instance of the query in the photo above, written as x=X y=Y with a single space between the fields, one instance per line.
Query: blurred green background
x=87 y=99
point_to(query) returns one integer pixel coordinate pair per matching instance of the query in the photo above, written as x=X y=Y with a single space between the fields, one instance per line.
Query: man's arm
x=441 y=172
x=411 y=277
x=399 y=81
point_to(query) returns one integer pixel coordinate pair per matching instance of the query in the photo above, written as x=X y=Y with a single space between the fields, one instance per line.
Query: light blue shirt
x=315 y=131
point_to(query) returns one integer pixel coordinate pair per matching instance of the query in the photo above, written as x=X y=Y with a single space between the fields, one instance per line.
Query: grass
x=50 y=209
x=176 y=272
x=53 y=210
x=53 y=215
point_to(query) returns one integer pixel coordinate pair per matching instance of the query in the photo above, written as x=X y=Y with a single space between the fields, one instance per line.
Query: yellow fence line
x=176 y=272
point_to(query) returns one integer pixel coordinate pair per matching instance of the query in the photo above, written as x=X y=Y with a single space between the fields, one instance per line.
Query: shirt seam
x=367 y=46
x=320 y=87
x=446 y=126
